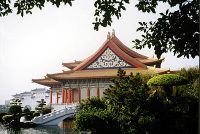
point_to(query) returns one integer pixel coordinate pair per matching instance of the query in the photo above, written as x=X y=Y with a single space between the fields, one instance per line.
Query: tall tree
x=131 y=107
x=175 y=31
x=41 y=105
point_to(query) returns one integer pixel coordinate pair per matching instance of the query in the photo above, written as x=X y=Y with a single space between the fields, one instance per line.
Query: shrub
x=36 y=114
x=97 y=121
x=93 y=102
x=1 y=117
x=46 y=110
x=8 y=118
x=167 y=80
x=15 y=110
x=28 y=114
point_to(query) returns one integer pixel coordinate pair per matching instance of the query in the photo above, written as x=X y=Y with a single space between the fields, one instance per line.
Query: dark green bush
x=46 y=110
x=28 y=114
x=15 y=109
x=1 y=117
x=132 y=108
x=97 y=121
x=93 y=102
x=36 y=114
x=8 y=118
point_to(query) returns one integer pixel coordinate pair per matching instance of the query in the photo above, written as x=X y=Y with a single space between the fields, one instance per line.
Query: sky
x=37 y=44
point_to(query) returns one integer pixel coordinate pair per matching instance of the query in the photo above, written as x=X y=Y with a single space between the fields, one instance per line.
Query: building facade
x=92 y=76
x=29 y=99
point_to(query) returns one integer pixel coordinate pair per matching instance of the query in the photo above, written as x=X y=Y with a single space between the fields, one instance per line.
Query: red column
x=72 y=96
x=66 y=96
x=88 y=92
x=98 y=95
x=50 y=97
x=69 y=96
x=57 y=93
x=63 y=95
x=79 y=95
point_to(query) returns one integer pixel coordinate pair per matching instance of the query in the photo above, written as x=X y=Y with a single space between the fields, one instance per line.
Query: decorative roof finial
x=113 y=32
x=108 y=36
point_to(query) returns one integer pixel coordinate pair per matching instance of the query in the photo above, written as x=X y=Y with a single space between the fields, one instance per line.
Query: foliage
x=8 y=118
x=46 y=110
x=167 y=80
x=106 y=9
x=192 y=75
x=1 y=116
x=15 y=110
x=16 y=102
x=28 y=114
x=177 y=31
x=24 y=6
x=130 y=107
x=127 y=99
x=36 y=114
x=41 y=104
x=94 y=116
x=93 y=102
x=97 y=121
x=119 y=109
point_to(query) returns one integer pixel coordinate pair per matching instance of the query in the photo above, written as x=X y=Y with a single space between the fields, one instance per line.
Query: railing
x=62 y=106
x=68 y=110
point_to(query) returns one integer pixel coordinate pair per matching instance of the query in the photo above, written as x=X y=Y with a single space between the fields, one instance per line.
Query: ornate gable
x=108 y=60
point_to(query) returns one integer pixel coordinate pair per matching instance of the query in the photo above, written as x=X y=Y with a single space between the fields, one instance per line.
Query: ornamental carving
x=108 y=59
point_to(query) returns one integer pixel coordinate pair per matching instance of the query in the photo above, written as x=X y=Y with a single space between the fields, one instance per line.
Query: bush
x=36 y=114
x=97 y=121
x=28 y=114
x=93 y=102
x=15 y=110
x=167 y=80
x=46 y=110
x=1 y=117
x=8 y=118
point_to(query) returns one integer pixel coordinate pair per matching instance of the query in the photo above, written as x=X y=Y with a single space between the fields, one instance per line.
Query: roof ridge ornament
x=113 y=33
x=108 y=36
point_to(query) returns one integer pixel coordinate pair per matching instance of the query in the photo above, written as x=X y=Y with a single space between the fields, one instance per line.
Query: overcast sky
x=37 y=44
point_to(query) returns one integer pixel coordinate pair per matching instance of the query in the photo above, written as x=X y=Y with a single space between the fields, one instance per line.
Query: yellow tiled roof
x=46 y=81
x=108 y=73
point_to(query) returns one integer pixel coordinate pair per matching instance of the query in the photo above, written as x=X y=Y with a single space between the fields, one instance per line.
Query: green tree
x=179 y=112
x=46 y=110
x=41 y=105
x=94 y=116
x=15 y=110
x=120 y=110
x=28 y=114
x=16 y=102
x=130 y=106
x=128 y=100
x=176 y=31
x=167 y=81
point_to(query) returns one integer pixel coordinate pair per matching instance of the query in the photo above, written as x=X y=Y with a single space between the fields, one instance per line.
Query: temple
x=90 y=77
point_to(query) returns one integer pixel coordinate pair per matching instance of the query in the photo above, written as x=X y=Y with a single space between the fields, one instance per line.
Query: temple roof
x=109 y=73
x=46 y=81
x=104 y=63
x=114 y=46
x=71 y=65
x=129 y=56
